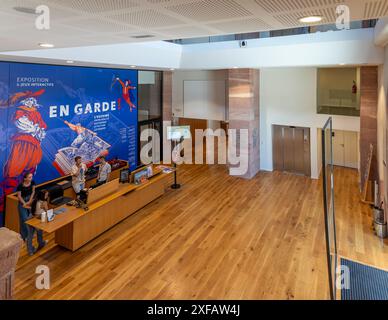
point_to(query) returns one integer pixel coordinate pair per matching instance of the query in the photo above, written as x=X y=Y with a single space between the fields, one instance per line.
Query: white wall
x=381 y=32
x=153 y=55
x=319 y=147
x=288 y=96
x=204 y=99
x=178 y=80
x=353 y=47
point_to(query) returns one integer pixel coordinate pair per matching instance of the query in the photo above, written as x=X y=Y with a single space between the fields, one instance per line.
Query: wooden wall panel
x=244 y=112
x=167 y=96
x=194 y=125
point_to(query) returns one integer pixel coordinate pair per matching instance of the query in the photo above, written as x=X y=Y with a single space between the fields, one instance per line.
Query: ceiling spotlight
x=342 y=64
x=46 y=45
x=311 y=19
x=172 y=69
x=70 y=61
x=133 y=66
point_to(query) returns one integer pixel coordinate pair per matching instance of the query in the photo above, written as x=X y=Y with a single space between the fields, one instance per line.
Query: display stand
x=176 y=185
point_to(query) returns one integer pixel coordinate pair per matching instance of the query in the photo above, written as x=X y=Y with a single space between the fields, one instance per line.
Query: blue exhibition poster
x=50 y=114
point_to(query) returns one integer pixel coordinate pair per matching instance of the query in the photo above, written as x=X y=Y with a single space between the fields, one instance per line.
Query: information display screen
x=178 y=132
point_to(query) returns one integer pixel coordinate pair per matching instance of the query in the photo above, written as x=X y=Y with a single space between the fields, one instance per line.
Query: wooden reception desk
x=12 y=213
x=113 y=203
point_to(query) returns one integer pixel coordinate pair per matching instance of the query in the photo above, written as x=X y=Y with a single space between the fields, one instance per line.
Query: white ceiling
x=95 y=22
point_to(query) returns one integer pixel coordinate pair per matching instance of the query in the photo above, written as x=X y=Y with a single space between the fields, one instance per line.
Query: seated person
x=103 y=173
x=78 y=172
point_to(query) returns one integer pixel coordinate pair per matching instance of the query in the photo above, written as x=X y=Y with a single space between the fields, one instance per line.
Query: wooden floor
x=217 y=238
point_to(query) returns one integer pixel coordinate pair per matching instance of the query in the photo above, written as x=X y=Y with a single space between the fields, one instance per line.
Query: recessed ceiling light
x=311 y=19
x=172 y=69
x=70 y=61
x=342 y=64
x=46 y=45
x=25 y=10
x=133 y=66
x=235 y=67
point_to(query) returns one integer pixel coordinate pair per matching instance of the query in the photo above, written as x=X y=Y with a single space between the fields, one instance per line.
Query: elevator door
x=291 y=150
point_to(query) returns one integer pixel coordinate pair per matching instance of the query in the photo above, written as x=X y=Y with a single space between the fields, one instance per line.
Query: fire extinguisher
x=354 y=88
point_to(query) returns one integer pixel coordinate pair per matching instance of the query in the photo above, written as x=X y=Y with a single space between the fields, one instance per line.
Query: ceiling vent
x=143 y=36
x=25 y=10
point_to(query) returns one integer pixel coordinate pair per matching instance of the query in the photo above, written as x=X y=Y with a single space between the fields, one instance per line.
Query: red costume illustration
x=126 y=90
x=26 y=151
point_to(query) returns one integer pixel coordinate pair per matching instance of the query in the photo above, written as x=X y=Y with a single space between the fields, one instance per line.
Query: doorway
x=291 y=149
x=345 y=149
x=153 y=138
x=150 y=115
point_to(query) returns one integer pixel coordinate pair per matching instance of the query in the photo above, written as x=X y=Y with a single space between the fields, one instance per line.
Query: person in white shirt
x=103 y=172
x=78 y=172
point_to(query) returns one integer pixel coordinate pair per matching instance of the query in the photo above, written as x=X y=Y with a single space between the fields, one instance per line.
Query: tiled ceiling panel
x=276 y=6
x=103 y=20
x=187 y=31
x=8 y=21
x=147 y=19
x=208 y=10
x=100 y=25
x=239 y=26
x=97 y=6
x=288 y=12
x=375 y=9
x=158 y=1
x=291 y=19
x=56 y=13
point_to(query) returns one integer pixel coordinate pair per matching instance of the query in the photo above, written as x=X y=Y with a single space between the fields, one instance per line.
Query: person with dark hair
x=39 y=206
x=25 y=149
x=78 y=172
x=25 y=194
x=103 y=173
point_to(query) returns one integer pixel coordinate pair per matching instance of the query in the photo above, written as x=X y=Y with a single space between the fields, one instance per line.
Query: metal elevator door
x=291 y=150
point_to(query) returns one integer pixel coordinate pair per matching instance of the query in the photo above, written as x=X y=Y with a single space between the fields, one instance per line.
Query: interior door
x=338 y=148
x=307 y=152
x=277 y=149
x=299 y=151
x=345 y=149
x=288 y=149
x=351 y=153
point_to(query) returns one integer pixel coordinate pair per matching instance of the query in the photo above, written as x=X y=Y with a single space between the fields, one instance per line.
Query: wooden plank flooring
x=218 y=237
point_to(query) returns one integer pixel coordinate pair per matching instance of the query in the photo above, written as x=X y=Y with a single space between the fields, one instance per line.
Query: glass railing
x=275 y=33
